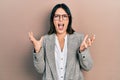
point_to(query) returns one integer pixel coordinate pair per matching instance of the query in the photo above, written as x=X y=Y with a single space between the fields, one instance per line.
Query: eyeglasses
x=57 y=17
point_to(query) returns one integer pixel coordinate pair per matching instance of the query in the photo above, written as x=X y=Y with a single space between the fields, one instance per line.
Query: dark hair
x=67 y=10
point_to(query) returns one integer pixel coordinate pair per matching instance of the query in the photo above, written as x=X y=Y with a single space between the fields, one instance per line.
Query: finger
x=31 y=36
x=92 y=38
x=85 y=38
x=85 y=45
x=89 y=42
x=41 y=39
x=30 y=33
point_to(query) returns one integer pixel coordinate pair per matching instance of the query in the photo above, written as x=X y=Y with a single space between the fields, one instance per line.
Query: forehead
x=60 y=11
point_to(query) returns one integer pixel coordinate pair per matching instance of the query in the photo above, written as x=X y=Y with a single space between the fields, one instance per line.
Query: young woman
x=62 y=53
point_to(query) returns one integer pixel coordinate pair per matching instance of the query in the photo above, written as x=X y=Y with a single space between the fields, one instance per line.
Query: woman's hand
x=87 y=42
x=37 y=44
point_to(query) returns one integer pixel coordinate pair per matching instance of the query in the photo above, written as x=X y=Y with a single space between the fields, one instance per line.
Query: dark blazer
x=44 y=61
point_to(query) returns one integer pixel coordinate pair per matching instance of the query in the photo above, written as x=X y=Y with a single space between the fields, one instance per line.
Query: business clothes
x=60 y=58
x=44 y=61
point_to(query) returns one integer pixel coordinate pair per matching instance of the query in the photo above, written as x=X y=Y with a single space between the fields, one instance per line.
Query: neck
x=61 y=35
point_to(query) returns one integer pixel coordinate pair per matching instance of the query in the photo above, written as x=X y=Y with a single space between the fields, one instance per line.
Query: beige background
x=18 y=17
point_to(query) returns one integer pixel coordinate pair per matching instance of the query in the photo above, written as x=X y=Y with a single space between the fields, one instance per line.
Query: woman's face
x=61 y=21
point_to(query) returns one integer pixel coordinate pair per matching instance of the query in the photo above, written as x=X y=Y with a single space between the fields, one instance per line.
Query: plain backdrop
x=18 y=17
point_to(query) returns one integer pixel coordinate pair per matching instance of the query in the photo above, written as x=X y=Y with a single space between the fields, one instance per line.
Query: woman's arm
x=39 y=60
x=83 y=52
x=85 y=60
x=39 y=53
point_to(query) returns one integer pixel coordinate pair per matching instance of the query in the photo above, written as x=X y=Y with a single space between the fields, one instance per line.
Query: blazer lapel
x=50 y=53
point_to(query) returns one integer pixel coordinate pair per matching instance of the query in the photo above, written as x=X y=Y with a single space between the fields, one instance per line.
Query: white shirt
x=60 y=58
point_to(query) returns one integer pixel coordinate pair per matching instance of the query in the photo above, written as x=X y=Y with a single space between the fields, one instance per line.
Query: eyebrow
x=61 y=14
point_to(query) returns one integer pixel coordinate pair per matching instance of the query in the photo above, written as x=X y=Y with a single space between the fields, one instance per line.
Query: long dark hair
x=67 y=10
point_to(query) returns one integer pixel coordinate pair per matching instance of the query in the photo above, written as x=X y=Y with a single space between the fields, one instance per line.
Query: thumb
x=41 y=39
x=85 y=38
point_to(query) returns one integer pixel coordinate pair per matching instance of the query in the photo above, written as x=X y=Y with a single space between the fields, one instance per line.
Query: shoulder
x=77 y=35
x=46 y=36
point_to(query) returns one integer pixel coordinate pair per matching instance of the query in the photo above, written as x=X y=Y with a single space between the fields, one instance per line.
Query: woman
x=62 y=53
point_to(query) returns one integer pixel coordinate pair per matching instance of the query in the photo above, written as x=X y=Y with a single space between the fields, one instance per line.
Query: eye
x=65 y=16
x=56 y=16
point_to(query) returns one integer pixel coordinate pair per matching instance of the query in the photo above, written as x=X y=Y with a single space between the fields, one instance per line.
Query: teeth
x=60 y=24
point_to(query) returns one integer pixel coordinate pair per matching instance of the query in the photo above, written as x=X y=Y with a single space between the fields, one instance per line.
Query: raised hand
x=37 y=44
x=87 y=42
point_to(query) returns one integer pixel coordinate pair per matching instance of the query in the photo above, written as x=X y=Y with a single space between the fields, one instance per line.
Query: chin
x=61 y=32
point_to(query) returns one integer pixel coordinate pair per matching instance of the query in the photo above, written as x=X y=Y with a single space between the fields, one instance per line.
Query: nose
x=60 y=18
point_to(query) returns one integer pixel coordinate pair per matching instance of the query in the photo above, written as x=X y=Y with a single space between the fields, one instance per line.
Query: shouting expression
x=61 y=21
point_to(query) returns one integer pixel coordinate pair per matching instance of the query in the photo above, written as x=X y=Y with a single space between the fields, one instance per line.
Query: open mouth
x=60 y=26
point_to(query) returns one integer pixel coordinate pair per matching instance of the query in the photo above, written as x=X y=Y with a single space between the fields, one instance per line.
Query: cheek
x=66 y=23
x=55 y=23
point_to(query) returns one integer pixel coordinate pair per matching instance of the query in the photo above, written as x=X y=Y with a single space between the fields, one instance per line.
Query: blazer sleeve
x=85 y=58
x=39 y=59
